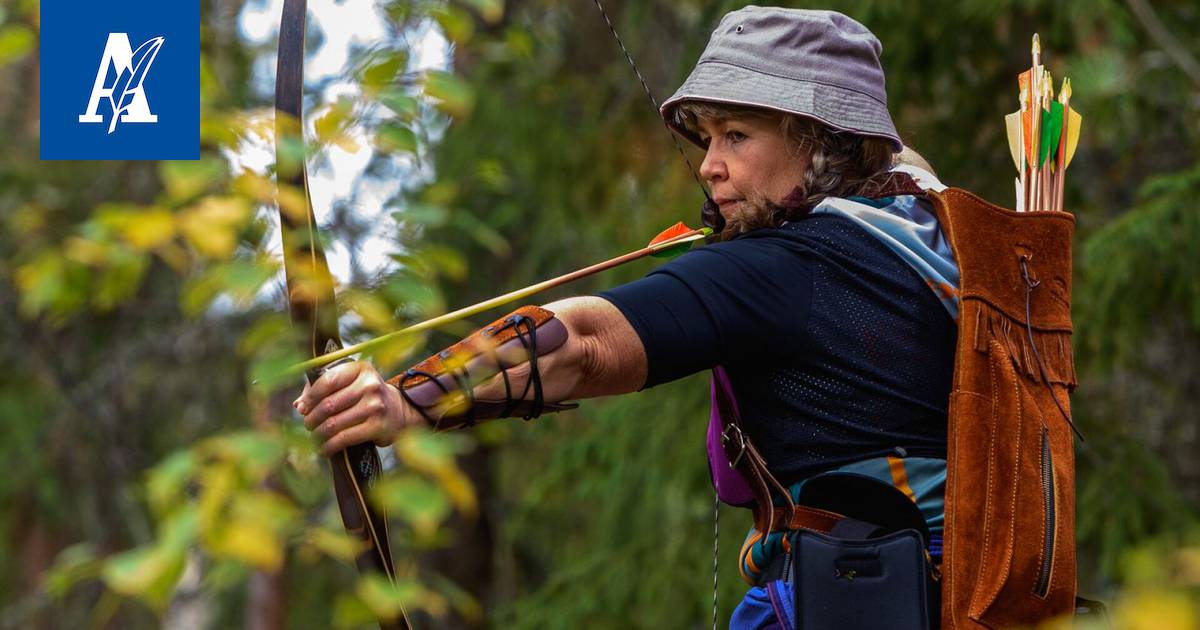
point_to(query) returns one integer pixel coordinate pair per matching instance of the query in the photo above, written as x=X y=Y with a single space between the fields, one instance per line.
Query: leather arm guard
x=441 y=387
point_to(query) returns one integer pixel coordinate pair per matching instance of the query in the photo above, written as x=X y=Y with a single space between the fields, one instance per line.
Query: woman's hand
x=352 y=404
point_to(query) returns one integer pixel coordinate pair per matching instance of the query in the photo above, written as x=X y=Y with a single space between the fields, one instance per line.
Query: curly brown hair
x=840 y=165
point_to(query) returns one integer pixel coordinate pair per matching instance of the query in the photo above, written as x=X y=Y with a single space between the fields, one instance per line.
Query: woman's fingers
x=336 y=378
x=360 y=433
x=332 y=405
x=364 y=410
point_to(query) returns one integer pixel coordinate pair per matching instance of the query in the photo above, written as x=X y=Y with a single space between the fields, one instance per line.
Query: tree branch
x=1165 y=40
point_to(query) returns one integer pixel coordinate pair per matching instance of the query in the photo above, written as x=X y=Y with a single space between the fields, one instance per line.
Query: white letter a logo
x=125 y=95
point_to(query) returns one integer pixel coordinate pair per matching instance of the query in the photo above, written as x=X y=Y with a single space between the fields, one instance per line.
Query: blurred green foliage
x=155 y=474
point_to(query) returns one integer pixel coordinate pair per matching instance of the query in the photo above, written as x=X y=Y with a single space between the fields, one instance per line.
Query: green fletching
x=1052 y=122
x=672 y=252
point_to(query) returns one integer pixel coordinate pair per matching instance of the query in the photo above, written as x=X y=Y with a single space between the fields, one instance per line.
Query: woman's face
x=749 y=159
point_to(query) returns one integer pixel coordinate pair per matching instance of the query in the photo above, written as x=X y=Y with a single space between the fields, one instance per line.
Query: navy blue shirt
x=837 y=349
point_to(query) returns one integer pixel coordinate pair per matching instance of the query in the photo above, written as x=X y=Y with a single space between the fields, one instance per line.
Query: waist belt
x=805 y=517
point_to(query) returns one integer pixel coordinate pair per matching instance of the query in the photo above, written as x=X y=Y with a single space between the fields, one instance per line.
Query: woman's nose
x=712 y=169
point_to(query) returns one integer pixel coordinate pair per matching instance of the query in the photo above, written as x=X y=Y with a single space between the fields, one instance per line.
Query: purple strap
x=731 y=487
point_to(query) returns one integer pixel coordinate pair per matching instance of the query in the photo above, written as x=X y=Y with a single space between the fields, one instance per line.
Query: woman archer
x=827 y=301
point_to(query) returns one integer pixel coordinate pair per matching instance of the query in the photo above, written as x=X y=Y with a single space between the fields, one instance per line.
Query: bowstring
x=716 y=549
x=653 y=101
x=694 y=173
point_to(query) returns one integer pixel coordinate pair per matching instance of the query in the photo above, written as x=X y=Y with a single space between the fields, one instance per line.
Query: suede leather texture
x=479 y=342
x=1009 y=555
x=482 y=354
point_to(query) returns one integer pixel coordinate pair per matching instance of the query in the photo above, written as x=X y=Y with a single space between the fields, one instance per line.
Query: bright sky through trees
x=345 y=25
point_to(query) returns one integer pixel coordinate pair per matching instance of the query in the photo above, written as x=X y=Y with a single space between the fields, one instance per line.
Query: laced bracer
x=442 y=387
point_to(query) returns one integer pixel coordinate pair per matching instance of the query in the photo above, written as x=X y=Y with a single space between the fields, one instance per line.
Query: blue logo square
x=137 y=58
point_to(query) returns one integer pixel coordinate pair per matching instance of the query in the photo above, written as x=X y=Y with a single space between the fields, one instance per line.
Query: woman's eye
x=734 y=136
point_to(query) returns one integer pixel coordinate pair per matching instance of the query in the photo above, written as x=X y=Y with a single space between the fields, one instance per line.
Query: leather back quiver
x=1010 y=488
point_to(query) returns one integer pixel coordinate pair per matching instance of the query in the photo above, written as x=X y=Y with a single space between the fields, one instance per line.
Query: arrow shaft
x=500 y=300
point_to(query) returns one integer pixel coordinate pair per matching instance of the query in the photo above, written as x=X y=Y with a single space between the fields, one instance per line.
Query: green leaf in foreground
x=454 y=96
x=147 y=573
x=413 y=499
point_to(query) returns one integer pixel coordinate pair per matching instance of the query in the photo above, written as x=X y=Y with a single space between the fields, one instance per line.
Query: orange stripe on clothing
x=900 y=477
x=746 y=557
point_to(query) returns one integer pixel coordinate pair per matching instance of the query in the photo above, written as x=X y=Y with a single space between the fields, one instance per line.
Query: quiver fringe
x=1009 y=555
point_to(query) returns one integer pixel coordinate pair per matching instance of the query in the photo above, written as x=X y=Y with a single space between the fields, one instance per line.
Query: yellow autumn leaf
x=85 y=251
x=374 y=311
x=216 y=129
x=253 y=529
x=397 y=353
x=334 y=126
x=1187 y=560
x=212 y=225
x=216 y=486
x=308 y=284
x=426 y=451
x=386 y=599
x=257 y=124
x=16 y=41
x=176 y=257
x=346 y=142
x=293 y=203
x=250 y=542
x=185 y=179
x=254 y=186
x=460 y=489
x=338 y=545
x=1155 y=610
x=149 y=229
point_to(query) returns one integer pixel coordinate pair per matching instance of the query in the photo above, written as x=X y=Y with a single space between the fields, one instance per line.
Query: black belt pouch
x=846 y=584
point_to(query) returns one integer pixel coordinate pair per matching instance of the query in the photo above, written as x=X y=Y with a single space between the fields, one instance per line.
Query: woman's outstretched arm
x=603 y=355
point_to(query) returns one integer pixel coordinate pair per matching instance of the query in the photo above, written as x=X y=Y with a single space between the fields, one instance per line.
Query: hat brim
x=719 y=82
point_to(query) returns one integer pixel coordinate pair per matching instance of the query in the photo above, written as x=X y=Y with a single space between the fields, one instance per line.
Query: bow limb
x=311 y=296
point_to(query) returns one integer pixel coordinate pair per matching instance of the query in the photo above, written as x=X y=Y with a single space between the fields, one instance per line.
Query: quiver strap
x=1009 y=554
x=441 y=386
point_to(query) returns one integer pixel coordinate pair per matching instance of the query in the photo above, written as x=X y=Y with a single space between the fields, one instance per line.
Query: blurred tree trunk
x=266 y=592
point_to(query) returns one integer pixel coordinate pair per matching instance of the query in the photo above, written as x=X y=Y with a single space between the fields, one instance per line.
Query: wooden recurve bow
x=311 y=297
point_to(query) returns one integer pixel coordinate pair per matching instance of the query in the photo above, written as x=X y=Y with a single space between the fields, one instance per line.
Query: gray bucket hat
x=818 y=64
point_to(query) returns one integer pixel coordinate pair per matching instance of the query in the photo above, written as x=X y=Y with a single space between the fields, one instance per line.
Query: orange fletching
x=670 y=233
x=1027 y=118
